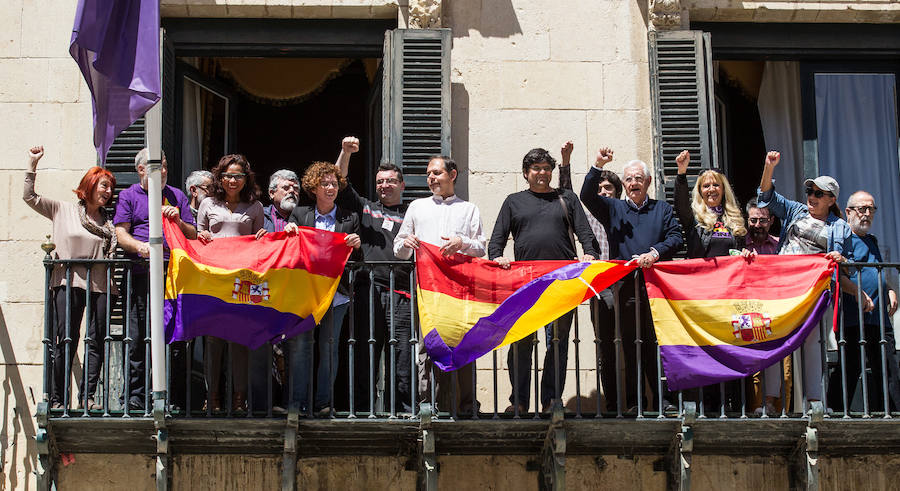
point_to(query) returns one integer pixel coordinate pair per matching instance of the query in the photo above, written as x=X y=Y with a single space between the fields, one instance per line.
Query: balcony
x=720 y=420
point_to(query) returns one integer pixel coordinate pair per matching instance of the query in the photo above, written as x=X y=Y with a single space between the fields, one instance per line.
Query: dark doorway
x=289 y=122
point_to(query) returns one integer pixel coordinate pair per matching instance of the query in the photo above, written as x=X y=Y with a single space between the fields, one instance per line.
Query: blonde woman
x=711 y=218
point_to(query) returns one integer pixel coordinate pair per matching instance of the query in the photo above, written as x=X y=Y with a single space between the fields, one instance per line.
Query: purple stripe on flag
x=190 y=316
x=490 y=331
x=687 y=367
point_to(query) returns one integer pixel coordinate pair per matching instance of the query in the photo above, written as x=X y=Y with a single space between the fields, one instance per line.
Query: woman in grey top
x=814 y=227
x=82 y=230
x=231 y=210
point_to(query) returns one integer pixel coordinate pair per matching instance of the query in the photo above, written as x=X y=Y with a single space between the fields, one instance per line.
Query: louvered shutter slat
x=417 y=103
x=683 y=104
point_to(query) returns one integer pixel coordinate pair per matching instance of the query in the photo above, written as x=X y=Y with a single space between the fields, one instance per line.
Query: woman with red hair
x=81 y=230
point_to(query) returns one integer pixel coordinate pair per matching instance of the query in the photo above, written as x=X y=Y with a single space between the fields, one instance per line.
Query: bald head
x=860 y=212
x=854 y=198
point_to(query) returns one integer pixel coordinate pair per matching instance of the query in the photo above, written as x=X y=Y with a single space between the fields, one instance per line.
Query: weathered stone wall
x=101 y=472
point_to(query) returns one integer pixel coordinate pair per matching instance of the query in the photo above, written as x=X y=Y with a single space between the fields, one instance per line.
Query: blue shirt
x=865 y=250
x=328 y=222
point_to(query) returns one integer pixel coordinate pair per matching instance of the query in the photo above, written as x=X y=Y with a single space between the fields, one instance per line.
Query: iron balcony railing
x=372 y=390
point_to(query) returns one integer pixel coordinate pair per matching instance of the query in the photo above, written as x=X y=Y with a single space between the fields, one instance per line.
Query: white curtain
x=192 y=127
x=856 y=118
x=780 y=112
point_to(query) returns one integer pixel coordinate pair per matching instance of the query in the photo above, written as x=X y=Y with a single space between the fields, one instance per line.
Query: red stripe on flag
x=321 y=252
x=468 y=278
x=766 y=277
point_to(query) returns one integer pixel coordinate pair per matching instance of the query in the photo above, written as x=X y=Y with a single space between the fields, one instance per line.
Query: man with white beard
x=284 y=191
x=864 y=249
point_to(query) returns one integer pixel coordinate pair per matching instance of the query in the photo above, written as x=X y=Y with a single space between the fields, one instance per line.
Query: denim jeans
x=300 y=353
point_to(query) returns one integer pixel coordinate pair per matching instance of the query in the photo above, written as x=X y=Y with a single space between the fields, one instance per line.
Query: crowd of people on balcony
x=545 y=223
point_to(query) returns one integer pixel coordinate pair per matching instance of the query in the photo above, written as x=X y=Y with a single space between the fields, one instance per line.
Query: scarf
x=107 y=231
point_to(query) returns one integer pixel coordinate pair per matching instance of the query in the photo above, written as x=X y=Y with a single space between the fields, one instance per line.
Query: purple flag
x=116 y=45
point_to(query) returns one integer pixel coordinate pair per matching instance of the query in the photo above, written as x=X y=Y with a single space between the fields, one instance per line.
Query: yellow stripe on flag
x=289 y=290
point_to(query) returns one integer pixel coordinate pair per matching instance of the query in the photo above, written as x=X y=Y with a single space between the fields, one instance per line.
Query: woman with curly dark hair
x=322 y=181
x=231 y=210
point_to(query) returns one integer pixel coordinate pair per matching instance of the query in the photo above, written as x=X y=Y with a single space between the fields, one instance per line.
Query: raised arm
x=596 y=204
x=682 y=193
x=765 y=182
x=565 y=169
x=349 y=146
x=38 y=203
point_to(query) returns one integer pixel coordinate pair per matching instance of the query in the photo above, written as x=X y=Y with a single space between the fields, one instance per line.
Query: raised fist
x=683 y=160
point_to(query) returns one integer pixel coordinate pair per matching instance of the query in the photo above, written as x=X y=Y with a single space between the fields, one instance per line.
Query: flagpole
x=153 y=122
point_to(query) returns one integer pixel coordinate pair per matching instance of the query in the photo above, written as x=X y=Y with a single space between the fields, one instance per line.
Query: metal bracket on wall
x=681 y=450
x=804 y=459
x=46 y=470
x=289 y=457
x=428 y=464
x=162 y=442
x=553 y=454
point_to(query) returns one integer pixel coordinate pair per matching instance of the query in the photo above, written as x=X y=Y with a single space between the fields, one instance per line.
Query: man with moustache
x=864 y=249
x=643 y=230
x=759 y=221
x=541 y=220
x=198 y=186
x=284 y=191
x=444 y=220
x=379 y=223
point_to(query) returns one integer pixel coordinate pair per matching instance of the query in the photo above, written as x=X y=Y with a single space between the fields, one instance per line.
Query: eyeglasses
x=204 y=187
x=234 y=177
x=540 y=168
x=818 y=193
x=761 y=221
x=863 y=210
x=391 y=180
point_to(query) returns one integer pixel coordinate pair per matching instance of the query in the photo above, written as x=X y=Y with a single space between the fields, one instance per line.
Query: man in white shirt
x=454 y=225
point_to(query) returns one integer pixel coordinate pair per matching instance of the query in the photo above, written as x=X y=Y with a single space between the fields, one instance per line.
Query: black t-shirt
x=539 y=226
x=379 y=225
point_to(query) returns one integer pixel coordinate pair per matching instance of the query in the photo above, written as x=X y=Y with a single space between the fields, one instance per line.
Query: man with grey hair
x=132 y=221
x=197 y=186
x=641 y=229
x=284 y=191
x=864 y=249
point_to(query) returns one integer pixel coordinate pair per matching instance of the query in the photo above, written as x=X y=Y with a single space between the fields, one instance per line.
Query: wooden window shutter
x=684 y=116
x=416 y=102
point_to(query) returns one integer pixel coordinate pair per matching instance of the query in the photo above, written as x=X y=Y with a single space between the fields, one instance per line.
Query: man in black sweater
x=646 y=231
x=391 y=322
x=542 y=221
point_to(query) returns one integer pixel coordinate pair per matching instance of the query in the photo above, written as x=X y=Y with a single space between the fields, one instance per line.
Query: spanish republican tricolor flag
x=251 y=291
x=469 y=307
x=723 y=318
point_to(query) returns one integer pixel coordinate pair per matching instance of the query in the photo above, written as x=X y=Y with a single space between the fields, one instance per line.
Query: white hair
x=637 y=163
x=143 y=156
x=287 y=175
x=196 y=178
